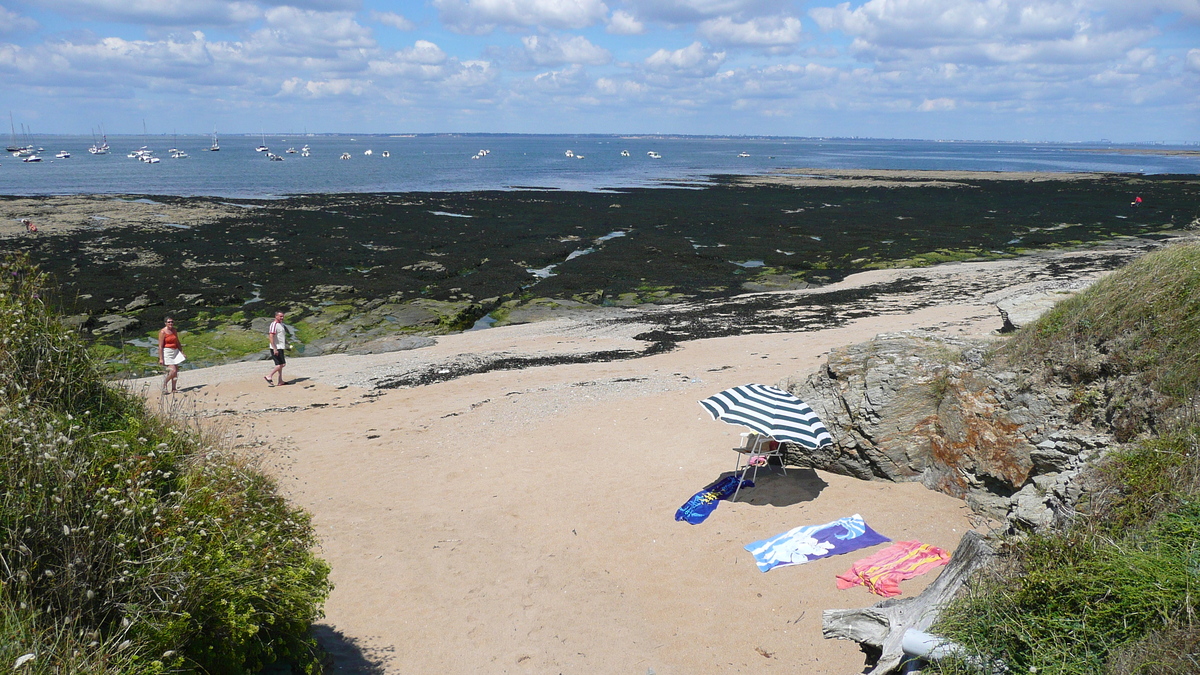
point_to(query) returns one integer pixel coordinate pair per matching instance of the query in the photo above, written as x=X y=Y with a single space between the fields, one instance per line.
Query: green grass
x=1143 y=320
x=1119 y=591
x=131 y=544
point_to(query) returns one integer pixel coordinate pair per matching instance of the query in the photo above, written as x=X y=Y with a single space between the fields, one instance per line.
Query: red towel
x=882 y=572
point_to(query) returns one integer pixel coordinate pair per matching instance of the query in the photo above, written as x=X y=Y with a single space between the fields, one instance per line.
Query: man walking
x=277 y=341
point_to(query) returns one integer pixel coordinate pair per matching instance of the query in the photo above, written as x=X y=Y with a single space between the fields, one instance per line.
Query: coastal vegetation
x=1116 y=592
x=130 y=543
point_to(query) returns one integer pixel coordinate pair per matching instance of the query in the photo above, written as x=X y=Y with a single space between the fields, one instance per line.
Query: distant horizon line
x=451 y=134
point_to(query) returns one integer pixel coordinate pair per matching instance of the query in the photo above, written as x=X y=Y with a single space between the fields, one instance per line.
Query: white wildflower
x=22 y=660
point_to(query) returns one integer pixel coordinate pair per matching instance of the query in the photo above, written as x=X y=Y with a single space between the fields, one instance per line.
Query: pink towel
x=882 y=572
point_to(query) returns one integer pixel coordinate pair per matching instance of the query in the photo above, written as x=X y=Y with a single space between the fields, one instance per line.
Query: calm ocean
x=444 y=163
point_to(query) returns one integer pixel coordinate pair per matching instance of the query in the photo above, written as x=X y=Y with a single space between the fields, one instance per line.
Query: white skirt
x=173 y=357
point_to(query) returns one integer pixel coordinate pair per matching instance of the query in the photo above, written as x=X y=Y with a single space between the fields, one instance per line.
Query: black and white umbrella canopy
x=769 y=411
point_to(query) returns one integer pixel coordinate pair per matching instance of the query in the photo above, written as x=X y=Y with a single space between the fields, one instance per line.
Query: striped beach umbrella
x=769 y=411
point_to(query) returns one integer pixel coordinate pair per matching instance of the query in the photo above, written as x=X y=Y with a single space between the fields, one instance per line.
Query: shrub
x=127 y=543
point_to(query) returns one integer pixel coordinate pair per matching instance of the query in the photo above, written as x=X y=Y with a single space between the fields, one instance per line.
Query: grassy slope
x=1117 y=593
x=127 y=543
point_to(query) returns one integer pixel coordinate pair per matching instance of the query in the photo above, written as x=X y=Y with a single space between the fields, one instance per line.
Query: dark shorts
x=277 y=357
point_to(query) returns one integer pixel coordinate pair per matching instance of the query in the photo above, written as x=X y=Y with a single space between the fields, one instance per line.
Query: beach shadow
x=298 y=380
x=194 y=387
x=346 y=655
x=774 y=488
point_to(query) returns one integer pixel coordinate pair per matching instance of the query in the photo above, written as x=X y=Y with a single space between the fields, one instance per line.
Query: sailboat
x=19 y=150
x=175 y=152
x=215 y=146
x=99 y=148
x=12 y=143
x=144 y=153
x=263 y=147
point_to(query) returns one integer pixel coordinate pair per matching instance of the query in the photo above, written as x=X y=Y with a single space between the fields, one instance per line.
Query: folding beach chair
x=755 y=445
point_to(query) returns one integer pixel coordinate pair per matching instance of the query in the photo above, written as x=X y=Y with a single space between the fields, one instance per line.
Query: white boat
x=476 y=156
x=653 y=155
x=274 y=157
x=174 y=151
x=32 y=158
x=305 y=148
x=150 y=159
x=743 y=154
x=345 y=155
x=578 y=156
x=570 y=154
x=290 y=151
x=385 y=153
x=304 y=152
x=216 y=147
x=139 y=153
x=263 y=147
x=99 y=148
x=484 y=153
x=62 y=154
x=368 y=153
x=624 y=153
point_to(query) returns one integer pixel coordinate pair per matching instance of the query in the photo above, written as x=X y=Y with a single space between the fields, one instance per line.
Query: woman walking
x=170 y=354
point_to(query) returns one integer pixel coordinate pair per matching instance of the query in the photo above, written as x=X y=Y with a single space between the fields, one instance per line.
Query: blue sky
x=1069 y=70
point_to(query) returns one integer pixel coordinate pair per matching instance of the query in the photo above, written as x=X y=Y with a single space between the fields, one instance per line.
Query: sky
x=1005 y=70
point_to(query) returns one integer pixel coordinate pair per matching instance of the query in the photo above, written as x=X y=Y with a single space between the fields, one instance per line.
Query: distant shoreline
x=1162 y=152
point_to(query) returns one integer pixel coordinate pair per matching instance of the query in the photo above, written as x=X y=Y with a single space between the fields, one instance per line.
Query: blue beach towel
x=704 y=502
x=810 y=542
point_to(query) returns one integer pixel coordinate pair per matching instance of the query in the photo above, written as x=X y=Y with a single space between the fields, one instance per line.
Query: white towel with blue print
x=811 y=542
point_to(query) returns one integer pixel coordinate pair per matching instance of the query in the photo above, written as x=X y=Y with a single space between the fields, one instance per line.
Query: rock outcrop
x=923 y=407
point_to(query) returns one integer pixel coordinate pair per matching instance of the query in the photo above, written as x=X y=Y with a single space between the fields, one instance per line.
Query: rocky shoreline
x=1017 y=290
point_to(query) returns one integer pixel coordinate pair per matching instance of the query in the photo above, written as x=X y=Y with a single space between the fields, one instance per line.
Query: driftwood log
x=880 y=628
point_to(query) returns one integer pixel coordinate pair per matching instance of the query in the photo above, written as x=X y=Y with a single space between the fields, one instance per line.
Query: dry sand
x=523 y=521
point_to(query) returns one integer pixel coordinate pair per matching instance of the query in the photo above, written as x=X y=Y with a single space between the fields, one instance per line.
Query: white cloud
x=988 y=31
x=425 y=62
x=318 y=5
x=693 y=11
x=483 y=16
x=393 y=19
x=695 y=60
x=773 y=31
x=932 y=104
x=309 y=33
x=570 y=79
x=623 y=88
x=1193 y=59
x=624 y=23
x=552 y=51
x=159 y=12
x=11 y=22
x=322 y=88
x=423 y=52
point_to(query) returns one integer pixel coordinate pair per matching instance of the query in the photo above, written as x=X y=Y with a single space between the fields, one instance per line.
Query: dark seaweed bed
x=685 y=240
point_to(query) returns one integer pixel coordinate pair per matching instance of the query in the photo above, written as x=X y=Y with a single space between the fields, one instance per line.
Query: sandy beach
x=515 y=521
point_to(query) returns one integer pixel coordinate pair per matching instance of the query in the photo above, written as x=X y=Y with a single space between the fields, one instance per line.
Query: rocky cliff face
x=909 y=407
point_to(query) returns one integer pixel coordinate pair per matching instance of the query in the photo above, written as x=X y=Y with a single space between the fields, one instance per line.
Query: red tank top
x=171 y=341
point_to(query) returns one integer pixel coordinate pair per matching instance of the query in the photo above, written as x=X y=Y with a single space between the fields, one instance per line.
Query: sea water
x=454 y=163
